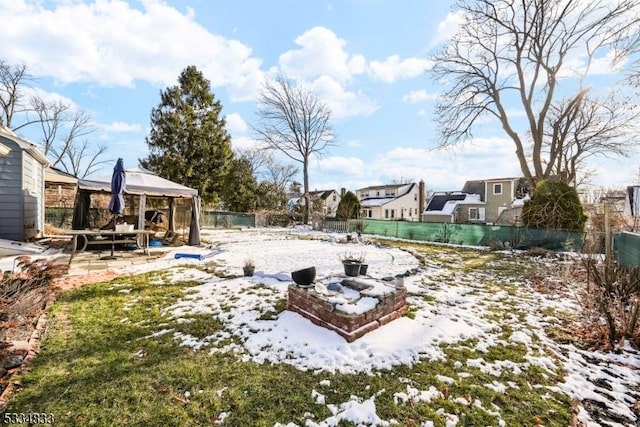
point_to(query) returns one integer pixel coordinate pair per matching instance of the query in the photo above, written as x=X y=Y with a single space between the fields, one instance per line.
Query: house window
x=370 y=213
x=377 y=193
x=476 y=214
x=415 y=197
x=386 y=213
x=335 y=197
x=393 y=211
x=497 y=189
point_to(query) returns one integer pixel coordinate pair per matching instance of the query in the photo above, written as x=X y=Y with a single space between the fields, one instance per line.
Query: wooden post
x=607 y=234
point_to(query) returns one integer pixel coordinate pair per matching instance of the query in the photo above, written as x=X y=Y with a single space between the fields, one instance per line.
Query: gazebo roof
x=140 y=181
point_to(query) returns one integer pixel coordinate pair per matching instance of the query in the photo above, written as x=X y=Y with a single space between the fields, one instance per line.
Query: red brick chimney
x=421 y=197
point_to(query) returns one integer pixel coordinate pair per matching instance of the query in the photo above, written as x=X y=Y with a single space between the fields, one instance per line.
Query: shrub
x=554 y=205
x=611 y=301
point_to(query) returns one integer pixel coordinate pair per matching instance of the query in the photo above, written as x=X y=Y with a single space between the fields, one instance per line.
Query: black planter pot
x=304 y=277
x=363 y=269
x=351 y=269
x=248 y=271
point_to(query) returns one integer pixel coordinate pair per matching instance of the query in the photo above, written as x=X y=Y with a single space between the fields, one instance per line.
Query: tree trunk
x=307 y=199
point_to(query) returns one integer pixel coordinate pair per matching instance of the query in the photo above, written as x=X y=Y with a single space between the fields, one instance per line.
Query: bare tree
x=12 y=78
x=294 y=121
x=277 y=173
x=517 y=58
x=63 y=129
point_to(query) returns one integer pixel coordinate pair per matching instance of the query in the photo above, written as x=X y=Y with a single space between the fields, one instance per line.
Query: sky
x=366 y=59
x=461 y=306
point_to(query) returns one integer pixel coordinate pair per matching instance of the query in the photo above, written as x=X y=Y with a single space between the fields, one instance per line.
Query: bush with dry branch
x=611 y=302
x=30 y=275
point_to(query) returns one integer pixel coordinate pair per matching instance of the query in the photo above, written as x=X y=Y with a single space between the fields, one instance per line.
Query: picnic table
x=85 y=238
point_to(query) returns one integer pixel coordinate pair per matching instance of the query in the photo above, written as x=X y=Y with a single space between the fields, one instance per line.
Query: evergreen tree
x=188 y=142
x=554 y=205
x=349 y=206
x=240 y=189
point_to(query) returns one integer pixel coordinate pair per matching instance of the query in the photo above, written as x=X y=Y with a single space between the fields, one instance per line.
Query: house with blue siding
x=22 y=170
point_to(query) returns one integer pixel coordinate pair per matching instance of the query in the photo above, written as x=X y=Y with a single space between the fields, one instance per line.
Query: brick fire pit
x=365 y=305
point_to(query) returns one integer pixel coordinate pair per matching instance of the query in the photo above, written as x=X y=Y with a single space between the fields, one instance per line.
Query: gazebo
x=141 y=183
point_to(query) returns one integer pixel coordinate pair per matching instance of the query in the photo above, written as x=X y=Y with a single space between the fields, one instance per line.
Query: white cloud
x=447 y=170
x=120 y=127
x=115 y=44
x=244 y=143
x=321 y=53
x=393 y=68
x=341 y=102
x=418 y=96
x=235 y=123
x=346 y=166
x=447 y=28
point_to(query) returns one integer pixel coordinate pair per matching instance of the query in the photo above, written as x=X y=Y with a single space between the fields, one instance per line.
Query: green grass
x=99 y=365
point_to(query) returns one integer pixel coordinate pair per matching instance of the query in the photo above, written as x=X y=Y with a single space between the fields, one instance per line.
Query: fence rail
x=463 y=234
x=219 y=219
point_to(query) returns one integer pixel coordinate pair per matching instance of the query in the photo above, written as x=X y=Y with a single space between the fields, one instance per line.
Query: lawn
x=198 y=344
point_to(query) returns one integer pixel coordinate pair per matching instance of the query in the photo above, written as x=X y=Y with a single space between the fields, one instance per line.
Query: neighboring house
x=500 y=195
x=22 y=168
x=392 y=202
x=329 y=200
x=60 y=188
x=454 y=207
x=491 y=201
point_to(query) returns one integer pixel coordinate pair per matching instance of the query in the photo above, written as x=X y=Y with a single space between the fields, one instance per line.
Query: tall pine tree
x=188 y=142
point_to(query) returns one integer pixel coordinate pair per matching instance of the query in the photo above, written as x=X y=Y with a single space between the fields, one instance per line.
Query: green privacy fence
x=219 y=219
x=470 y=234
x=627 y=249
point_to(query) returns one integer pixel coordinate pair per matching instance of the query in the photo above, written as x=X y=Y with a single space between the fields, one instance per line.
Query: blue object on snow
x=190 y=255
x=197 y=255
x=337 y=287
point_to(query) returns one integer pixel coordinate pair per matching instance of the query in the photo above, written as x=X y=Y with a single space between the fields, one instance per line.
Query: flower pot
x=248 y=271
x=304 y=277
x=363 y=269
x=351 y=269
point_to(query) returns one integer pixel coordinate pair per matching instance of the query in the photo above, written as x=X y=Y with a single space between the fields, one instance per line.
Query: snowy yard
x=469 y=310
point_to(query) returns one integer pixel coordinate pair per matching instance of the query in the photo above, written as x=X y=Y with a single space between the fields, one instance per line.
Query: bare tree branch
x=293 y=121
x=517 y=56
x=12 y=78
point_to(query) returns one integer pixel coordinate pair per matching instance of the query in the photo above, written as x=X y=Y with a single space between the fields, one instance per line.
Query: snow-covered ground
x=460 y=306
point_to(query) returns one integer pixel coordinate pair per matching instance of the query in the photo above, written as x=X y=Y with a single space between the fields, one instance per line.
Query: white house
x=329 y=200
x=392 y=202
